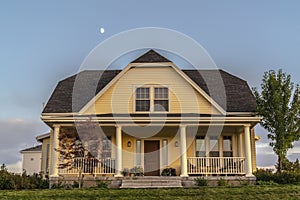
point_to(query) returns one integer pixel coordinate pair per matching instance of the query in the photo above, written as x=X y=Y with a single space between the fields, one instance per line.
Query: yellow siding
x=183 y=98
x=127 y=152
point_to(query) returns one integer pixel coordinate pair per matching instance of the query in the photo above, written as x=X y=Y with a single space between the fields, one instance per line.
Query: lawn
x=283 y=192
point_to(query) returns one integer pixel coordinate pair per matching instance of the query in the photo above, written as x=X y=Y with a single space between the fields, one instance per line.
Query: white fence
x=216 y=165
x=90 y=166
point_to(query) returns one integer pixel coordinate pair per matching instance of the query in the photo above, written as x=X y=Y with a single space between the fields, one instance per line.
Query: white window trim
x=152 y=98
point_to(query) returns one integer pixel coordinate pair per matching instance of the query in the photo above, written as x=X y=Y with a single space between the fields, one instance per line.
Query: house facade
x=154 y=115
x=31 y=159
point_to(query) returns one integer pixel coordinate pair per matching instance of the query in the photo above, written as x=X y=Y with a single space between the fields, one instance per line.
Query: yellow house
x=154 y=115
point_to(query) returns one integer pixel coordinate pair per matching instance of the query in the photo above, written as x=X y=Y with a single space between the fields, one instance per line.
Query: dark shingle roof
x=36 y=148
x=237 y=97
x=150 y=56
x=85 y=85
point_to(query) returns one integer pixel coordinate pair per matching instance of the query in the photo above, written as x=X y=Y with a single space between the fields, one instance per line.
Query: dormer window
x=152 y=99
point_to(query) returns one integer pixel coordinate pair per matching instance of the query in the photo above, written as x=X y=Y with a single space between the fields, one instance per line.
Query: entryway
x=151 y=158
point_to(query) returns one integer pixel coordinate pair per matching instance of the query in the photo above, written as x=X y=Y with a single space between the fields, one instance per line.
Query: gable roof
x=239 y=97
x=40 y=138
x=151 y=57
x=32 y=149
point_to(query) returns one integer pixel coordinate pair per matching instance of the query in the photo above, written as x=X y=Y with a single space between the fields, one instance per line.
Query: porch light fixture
x=176 y=144
x=128 y=144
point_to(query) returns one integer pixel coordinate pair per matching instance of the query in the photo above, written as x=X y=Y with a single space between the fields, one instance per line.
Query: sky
x=42 y=42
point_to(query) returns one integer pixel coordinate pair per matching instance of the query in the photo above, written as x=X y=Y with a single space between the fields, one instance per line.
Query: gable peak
x=150 y=56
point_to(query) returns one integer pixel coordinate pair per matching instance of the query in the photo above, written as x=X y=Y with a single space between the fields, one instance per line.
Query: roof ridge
x=151 y=56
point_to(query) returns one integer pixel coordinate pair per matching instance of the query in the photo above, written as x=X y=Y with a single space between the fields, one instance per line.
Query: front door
x=151 y=158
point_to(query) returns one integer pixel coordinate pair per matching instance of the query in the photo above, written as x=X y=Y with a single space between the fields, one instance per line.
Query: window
x=227 y=146
x=152 y=99
x=213 y=146
x=106 y=147
x=142 y=99
x=161 y=99
x=200 y=146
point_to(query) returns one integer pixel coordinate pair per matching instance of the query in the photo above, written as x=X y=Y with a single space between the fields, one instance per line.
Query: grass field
x=283 y=192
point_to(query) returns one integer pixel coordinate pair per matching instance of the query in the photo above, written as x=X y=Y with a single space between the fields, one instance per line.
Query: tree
x=279 y=105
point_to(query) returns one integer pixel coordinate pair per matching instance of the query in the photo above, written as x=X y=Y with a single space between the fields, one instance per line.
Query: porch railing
x=216 y=165
x=90 y=166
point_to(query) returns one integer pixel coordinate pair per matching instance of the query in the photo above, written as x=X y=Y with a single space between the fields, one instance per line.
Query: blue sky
x=43 y=42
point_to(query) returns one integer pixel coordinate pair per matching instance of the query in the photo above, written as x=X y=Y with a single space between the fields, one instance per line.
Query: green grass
x=283 y=192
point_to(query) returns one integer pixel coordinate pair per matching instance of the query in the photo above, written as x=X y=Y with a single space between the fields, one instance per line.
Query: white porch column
x=248 y=150
x=55 y=154
x=118 y=151
x=183 y=151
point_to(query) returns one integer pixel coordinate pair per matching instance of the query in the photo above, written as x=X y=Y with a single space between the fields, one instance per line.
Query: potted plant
x=168 y=172
x=125 y=172
x=137 y=171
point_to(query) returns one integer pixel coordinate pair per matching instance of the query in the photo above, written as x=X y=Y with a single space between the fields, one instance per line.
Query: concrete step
x=151 y=182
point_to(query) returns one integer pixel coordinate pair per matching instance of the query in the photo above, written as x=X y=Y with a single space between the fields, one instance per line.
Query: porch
x=176 y=148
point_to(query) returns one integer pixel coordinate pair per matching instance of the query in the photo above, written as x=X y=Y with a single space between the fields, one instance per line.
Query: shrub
x=5 y=179
x=222 y=182
x=201 y=181
x=286 y=177
x=102 y=184
x=168 y=172
x=57 y=185
x=264 y=175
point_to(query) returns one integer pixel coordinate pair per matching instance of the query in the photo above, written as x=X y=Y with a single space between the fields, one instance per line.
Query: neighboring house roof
x=32 y=149
x=40 y=138
x=239 y=97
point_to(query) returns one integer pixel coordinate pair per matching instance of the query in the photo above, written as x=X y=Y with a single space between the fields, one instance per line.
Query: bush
x=101 y=184
x=201 y=181
x=168 y=172
x=286 y=177
x=222 y=182
x=9 y=181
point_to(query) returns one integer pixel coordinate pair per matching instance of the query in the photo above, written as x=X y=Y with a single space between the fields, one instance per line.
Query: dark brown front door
x=151 y=157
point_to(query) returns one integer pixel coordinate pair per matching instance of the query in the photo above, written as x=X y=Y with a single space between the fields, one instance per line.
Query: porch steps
x=151 y=182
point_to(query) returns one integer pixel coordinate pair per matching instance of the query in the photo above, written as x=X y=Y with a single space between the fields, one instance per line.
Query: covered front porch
x=193 y=150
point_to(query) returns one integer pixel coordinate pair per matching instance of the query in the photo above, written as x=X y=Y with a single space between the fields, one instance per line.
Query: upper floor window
x=152 y=99
x=142 y=99
x=161 y=99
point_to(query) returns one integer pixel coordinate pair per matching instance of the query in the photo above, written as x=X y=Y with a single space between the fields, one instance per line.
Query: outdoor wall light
x=128 y=144
x=176 y=144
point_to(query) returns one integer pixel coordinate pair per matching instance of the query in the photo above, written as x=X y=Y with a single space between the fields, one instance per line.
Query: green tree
x=279 y=105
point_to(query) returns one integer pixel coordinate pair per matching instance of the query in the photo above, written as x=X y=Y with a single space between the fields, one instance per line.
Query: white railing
x=216 y=165
x=90 y=166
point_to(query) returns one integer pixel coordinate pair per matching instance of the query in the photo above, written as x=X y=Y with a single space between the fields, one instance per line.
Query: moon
x=102 y=30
